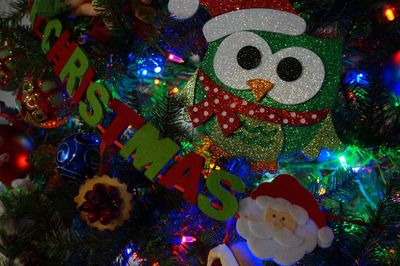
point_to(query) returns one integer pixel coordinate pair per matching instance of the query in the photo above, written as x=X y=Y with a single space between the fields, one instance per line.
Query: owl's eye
x=289 y=69
x=240 y=57
x=249 y=57
x=299 y=75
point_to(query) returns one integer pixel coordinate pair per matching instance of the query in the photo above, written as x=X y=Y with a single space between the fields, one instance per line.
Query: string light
x=157 y=82
x=391 y=76
x=174 y=90
x=22 y=161
x=157 y=70
x=396 y=58
x=321 y=191
x=188 y=239
x=175 y=58
x=356 y=78
x=343 y=162
x=128 y=251
x=148 y=65
x=390 y=13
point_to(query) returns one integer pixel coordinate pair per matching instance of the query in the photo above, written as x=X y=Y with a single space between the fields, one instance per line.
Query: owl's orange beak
x=260 y=87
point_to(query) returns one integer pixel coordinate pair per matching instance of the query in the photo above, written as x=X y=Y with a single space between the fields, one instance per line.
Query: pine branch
x=166 y=114
x=112 y=13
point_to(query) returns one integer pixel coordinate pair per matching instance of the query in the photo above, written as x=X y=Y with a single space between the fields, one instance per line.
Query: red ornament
x=44 y=103
x=100 y=204
x=15 y=149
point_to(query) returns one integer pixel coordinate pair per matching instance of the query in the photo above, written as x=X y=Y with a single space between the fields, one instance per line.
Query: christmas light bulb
x=22 y=161
x=128 y=251
x=188 y=239
x=157 y=70
x=175 y=58
x=390 y=13
x=343 y=162
x=396 y=58
x=174 y=90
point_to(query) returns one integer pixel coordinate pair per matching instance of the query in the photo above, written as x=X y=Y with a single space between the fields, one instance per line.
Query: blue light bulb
x=157 y=69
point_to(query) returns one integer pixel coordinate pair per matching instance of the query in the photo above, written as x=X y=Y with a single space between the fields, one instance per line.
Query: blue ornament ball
x=78 y=157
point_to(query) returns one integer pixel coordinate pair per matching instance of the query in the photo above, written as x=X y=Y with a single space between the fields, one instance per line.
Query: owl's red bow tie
x=226 y=106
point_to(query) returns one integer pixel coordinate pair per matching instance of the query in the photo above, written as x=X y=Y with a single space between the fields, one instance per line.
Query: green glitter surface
x=330 y=52
x=260 y=141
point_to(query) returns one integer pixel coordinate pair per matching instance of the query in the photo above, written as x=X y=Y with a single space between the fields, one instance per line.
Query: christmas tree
x=199 y=132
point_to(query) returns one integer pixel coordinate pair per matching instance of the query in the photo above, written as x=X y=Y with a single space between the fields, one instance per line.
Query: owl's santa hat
x=232 y=16
x=286 y=188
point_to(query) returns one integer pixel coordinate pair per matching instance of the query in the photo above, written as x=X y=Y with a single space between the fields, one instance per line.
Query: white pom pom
x=325 y=237
x=222 y=253
x=195 y=58
x=24 y=184
x=183 y=9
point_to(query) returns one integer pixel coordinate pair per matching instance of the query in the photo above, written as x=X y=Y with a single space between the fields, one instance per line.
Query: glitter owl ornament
x=265 y=88
x=44 y=102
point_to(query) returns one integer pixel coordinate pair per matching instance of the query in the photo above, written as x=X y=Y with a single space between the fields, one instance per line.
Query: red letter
x=124 y=117
x=185 y=176
x=38 y=26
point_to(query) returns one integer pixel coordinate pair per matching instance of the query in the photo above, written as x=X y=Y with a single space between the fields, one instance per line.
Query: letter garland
x=156 y=157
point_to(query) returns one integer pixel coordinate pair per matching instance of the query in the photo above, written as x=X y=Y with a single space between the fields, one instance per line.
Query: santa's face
x=276 y=230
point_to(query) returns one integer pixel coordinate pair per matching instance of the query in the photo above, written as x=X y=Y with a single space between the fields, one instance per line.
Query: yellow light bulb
x=389 y=13
x=175 y=90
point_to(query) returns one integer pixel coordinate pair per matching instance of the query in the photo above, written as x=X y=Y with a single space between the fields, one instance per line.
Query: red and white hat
x=288 y=188
x=229 y=16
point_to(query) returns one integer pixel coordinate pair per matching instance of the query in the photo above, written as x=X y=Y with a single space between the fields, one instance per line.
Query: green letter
x=75 y=69
x=150 y=150
x=34 y=11
x=98 y=97
x=229 y=202
x=52 y=26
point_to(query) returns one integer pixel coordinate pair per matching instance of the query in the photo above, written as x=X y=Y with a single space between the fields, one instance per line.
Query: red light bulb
x=22 y=161
x=396 y=58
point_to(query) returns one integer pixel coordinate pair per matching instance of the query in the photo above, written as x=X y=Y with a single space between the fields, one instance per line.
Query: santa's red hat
x=231 y=16
x=288 y=188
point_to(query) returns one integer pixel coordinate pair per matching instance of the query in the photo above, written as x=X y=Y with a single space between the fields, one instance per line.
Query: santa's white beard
x=283 y=246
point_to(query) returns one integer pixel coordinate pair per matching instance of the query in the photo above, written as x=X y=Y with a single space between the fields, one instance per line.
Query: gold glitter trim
x=126 y=197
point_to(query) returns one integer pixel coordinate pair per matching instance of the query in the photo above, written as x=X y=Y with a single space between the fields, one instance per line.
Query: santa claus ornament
x=265 y=88
x=281 y=221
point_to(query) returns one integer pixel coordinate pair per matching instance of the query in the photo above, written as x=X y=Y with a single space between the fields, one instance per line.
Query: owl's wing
x=325 y=138
x=187 y=95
